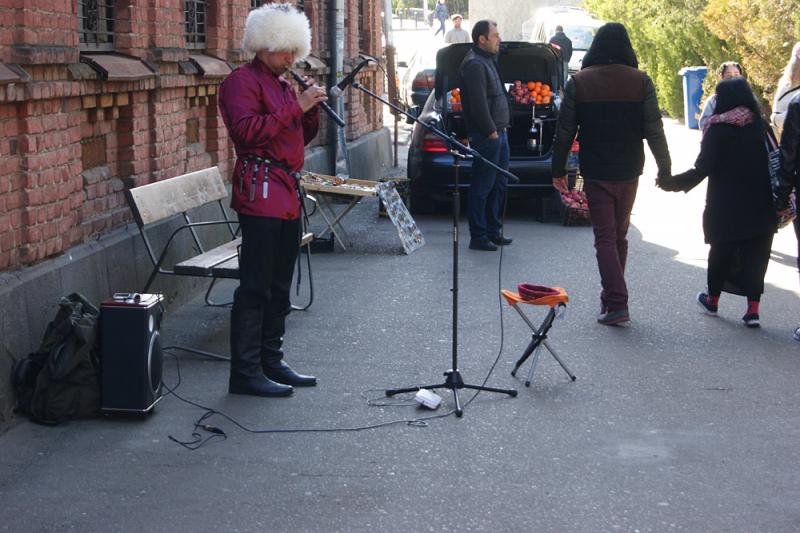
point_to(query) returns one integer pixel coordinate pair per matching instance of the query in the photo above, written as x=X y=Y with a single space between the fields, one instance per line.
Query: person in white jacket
x=788 y=87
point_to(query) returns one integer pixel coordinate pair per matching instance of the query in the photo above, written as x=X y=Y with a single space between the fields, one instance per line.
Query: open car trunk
x=517 y=62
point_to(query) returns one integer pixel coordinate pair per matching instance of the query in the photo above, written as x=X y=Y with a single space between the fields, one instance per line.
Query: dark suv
x=430 y=164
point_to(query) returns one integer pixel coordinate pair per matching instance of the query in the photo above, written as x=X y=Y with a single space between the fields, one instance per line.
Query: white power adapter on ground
x=428 y=399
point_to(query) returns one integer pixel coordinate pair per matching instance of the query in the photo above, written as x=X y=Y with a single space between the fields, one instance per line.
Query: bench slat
x=203 y=264
x=163 y=199
x=230 y=268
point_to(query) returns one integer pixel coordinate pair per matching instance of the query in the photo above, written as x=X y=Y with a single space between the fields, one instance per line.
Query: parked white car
x=578 y=24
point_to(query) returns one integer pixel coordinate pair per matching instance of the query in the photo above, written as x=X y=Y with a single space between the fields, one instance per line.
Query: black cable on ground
x=198 y=440
x=500 y=304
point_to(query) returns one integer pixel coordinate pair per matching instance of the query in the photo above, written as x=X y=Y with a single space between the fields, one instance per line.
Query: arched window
x=195 y=23
x=96 y=24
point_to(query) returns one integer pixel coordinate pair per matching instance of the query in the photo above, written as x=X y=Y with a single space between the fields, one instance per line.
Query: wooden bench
x=156 y=202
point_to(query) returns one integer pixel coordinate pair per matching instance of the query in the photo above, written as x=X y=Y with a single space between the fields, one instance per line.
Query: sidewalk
x=680 y=422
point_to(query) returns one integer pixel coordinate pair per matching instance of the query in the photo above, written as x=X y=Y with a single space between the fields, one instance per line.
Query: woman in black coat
x=739 y=220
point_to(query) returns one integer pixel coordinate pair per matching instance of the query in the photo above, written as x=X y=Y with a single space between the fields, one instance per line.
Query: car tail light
x=431 y=143
x=423 y=80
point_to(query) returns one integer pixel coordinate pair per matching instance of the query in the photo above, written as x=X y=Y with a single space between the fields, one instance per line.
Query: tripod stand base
x=453 y=381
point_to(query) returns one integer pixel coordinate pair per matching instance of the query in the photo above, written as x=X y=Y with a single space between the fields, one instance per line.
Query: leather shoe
x=283 y=373
x=502 y=241
x=258 y=386
x=485 y=246
x=615 y=318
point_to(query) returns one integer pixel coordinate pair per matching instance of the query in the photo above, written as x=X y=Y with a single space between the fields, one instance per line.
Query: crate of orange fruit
x=454 y=99
x=531 y=93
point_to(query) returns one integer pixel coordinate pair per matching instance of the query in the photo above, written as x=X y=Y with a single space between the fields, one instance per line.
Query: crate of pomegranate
x=574 y=208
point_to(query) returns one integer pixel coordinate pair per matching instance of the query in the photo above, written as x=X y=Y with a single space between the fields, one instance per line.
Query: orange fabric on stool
x=530 y=291
x=560 y=297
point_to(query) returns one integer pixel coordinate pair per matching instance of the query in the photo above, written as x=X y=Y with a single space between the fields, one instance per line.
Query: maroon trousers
x=610 y=205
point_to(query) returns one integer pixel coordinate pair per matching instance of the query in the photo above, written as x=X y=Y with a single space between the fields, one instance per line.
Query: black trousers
x=261 y=302
x=739 y=267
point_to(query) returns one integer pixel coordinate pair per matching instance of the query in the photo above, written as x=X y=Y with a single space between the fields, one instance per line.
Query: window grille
x=255 y=3
x=301 y=5
x=96 y=24
x=195 y=23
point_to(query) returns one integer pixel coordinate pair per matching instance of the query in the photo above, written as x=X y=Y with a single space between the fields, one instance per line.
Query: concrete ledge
x=318 y=160
x=117 y=262
x=371 y=155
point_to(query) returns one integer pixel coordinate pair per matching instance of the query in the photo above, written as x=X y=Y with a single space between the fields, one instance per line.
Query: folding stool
x=557 y=304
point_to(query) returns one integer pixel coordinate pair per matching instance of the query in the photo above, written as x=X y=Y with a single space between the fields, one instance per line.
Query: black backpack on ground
x=60 y=381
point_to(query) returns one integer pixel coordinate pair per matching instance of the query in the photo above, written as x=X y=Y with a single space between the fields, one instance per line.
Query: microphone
x=338 y=89
x=331 y=113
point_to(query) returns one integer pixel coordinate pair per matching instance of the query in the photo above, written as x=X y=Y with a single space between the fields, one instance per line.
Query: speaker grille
x=155 y=363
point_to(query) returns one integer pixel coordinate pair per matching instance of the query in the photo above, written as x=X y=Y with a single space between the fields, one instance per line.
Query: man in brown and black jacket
x=612 y=106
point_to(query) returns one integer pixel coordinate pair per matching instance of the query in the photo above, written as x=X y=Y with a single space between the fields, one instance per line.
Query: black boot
x=246 y=375
x=279 y=371
x=272 y=363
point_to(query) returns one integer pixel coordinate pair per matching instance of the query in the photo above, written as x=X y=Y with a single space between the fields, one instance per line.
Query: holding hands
x=685 y=181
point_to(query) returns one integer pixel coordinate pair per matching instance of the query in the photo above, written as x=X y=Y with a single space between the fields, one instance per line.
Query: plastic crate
x=574 y=216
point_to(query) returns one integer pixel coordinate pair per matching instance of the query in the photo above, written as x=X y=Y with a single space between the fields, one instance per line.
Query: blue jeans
x=487 y=187
x=441 y=28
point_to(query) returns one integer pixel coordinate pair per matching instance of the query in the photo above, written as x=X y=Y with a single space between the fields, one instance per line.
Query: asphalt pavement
x=680 y=422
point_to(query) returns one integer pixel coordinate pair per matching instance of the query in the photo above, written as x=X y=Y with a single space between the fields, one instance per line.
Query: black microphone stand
x=453 y=379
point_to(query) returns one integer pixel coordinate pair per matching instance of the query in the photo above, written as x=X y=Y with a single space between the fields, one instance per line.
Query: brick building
x=100 y=95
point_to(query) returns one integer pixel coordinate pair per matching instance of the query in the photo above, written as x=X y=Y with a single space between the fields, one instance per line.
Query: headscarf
x=735 y=104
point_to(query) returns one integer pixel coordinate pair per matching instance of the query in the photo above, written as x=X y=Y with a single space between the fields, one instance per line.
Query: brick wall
x=71 y=140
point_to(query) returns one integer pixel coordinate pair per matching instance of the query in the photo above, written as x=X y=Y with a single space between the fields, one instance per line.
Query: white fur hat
x=279 y=28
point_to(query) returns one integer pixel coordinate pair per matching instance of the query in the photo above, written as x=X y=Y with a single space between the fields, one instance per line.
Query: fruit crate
x=529 y=93
x=574 y=206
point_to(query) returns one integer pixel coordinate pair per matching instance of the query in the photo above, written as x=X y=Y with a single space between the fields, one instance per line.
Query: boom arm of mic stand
x=454 y=143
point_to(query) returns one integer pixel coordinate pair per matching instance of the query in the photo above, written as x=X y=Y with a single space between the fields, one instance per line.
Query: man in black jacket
x=612 y=106
x=564 y=44
x=487 y=116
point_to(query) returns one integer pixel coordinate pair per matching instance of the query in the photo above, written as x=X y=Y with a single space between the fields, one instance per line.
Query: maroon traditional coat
x=264 y=119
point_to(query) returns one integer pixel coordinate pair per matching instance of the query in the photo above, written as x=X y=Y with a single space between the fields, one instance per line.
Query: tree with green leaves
x=670 y=34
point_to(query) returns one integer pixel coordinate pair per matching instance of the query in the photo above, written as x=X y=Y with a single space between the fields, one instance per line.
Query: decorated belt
x=254 y=162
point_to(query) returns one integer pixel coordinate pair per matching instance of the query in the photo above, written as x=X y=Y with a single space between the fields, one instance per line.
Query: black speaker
x=130 y=353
